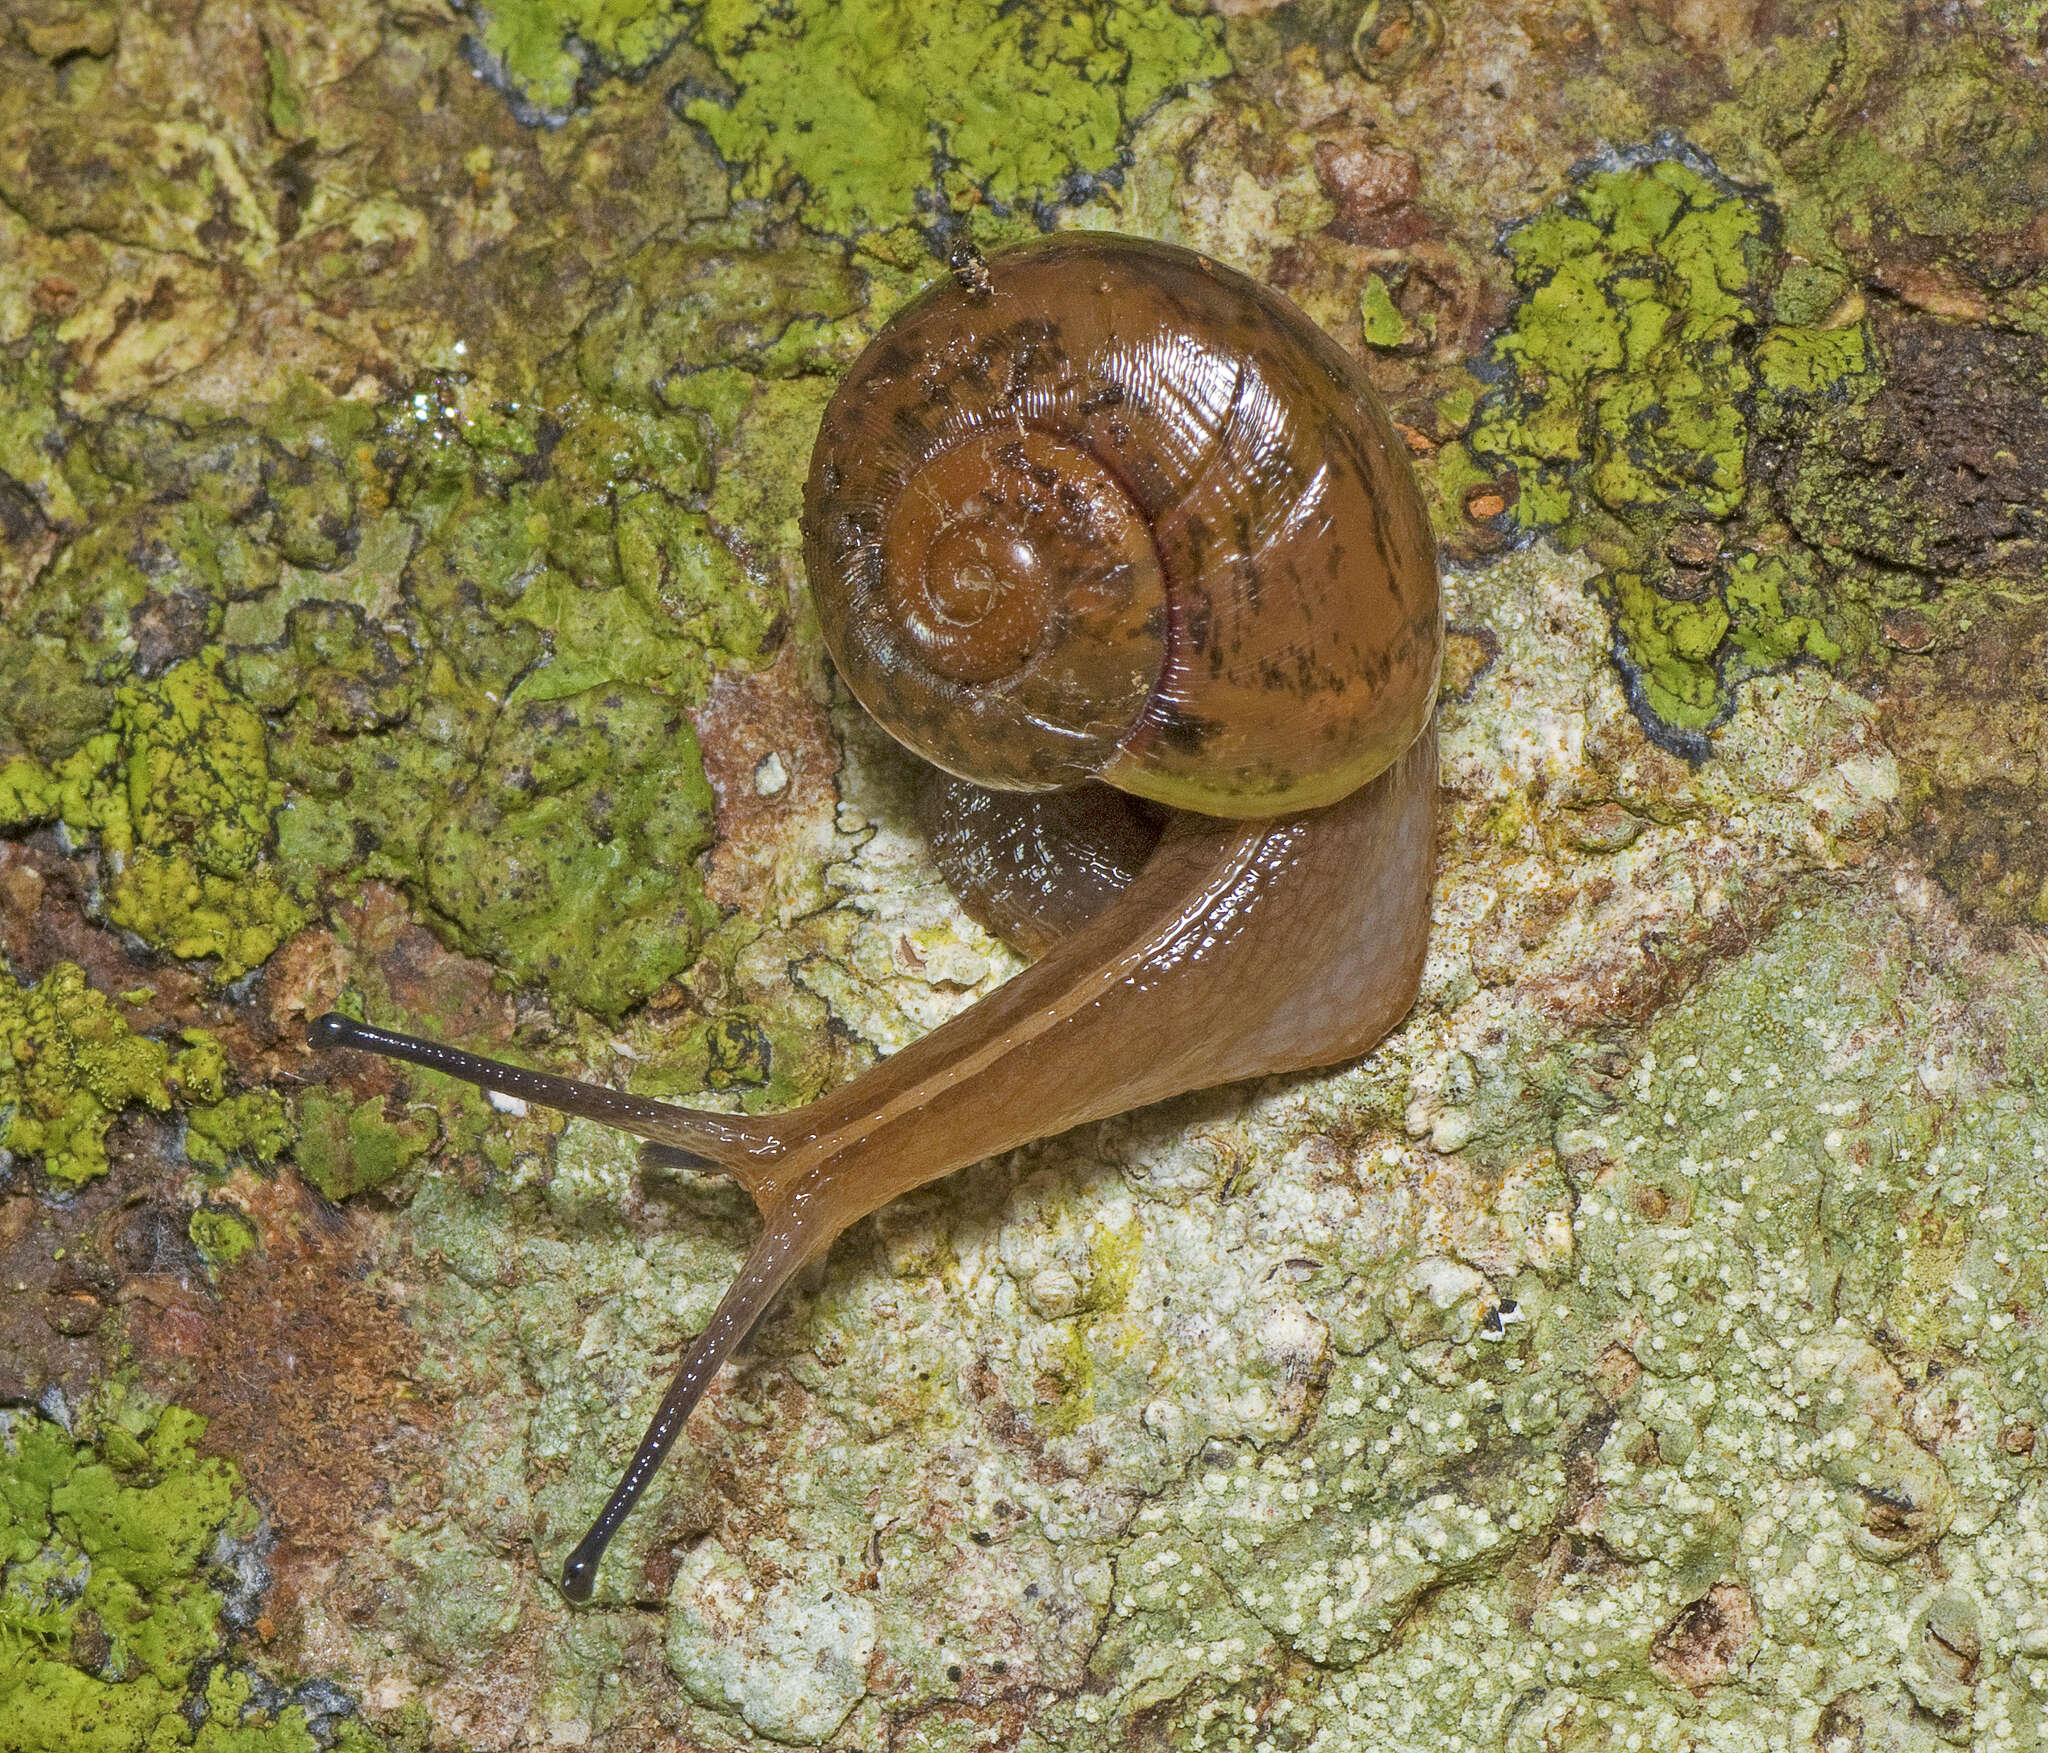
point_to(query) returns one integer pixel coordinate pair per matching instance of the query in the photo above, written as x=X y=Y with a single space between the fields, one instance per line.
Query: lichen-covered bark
x=403 y=413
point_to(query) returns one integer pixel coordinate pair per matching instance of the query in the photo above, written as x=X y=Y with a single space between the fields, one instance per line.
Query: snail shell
x=1106 y=509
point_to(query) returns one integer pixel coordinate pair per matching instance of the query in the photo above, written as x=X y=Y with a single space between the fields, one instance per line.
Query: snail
x=1121 y=542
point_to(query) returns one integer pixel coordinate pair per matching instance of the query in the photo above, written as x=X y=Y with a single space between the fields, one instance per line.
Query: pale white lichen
x=790 y=1659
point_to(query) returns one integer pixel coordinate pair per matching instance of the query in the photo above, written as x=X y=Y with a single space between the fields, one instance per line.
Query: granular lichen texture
x=126 y=1555
x=1635 y=356
x=862 y=106
x=404 y=414
x=178 y=792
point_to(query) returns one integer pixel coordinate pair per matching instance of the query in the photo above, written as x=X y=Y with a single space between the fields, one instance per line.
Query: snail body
x=1122 y=542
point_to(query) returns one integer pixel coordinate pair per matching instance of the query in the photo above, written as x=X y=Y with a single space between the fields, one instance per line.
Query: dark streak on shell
x=1294 y=655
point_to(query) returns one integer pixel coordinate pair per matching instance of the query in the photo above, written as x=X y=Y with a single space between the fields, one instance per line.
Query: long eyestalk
x=735 y=1142
x=778 y=1253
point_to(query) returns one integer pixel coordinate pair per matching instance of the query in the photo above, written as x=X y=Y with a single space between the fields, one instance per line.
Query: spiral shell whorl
x=1120 y=512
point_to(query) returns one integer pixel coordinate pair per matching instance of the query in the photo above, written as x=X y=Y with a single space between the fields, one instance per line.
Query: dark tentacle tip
x=331 y=1030
x=579 y=1575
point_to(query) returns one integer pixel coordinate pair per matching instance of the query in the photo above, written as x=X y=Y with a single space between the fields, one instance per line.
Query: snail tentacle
x=779 y=1252
x=737 y=1143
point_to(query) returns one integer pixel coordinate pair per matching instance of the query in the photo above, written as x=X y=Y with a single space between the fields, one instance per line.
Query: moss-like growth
x=1632 y=373
x=68 y=1064
x=179 y=792
x=353 y=1147
x=110 y=1613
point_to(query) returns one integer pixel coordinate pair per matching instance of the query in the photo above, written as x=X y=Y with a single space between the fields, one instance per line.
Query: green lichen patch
x=570 y=855
x=1683 y=651
x=249 y=1126
x=1782 y=1371
x=792 y=1672
x=33 y=453
x=509 y=678
x=111 y=1595
x=1637 y=371
x=222 y=1235
x=862 y=110
x=682 y=603
x=1914 y=158
x=682 y=308
x=170 y=184
x=1625 y=370
x=179 y=792
x=167 y=529
x=379 y=580
x=48 y=703
x=858 y=108
x=183 y=804
x=1380 y=318
x=548 y=49
x=68 y=1065
x=350 y=1147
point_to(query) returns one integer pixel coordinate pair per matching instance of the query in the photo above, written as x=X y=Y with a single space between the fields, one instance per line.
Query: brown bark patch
x=1703 y=1643
x=1376 y=190
x=772 y=760
x=1969 y=723
x=304 y=1368
x=1939 y=471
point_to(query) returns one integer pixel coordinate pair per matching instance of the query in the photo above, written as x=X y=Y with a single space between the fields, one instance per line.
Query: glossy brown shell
x=1116 y=511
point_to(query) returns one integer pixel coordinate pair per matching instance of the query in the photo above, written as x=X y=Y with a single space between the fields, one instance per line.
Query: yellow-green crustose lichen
x=862 y=106
x=548 y=48
x=222 y=1237
x=252 y=1125
x=353 y=1147
x=1637 y=369
x=69 y=1064
x=475 y=626
x=119 y=1559
x=178 y=791
x=491 y=711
